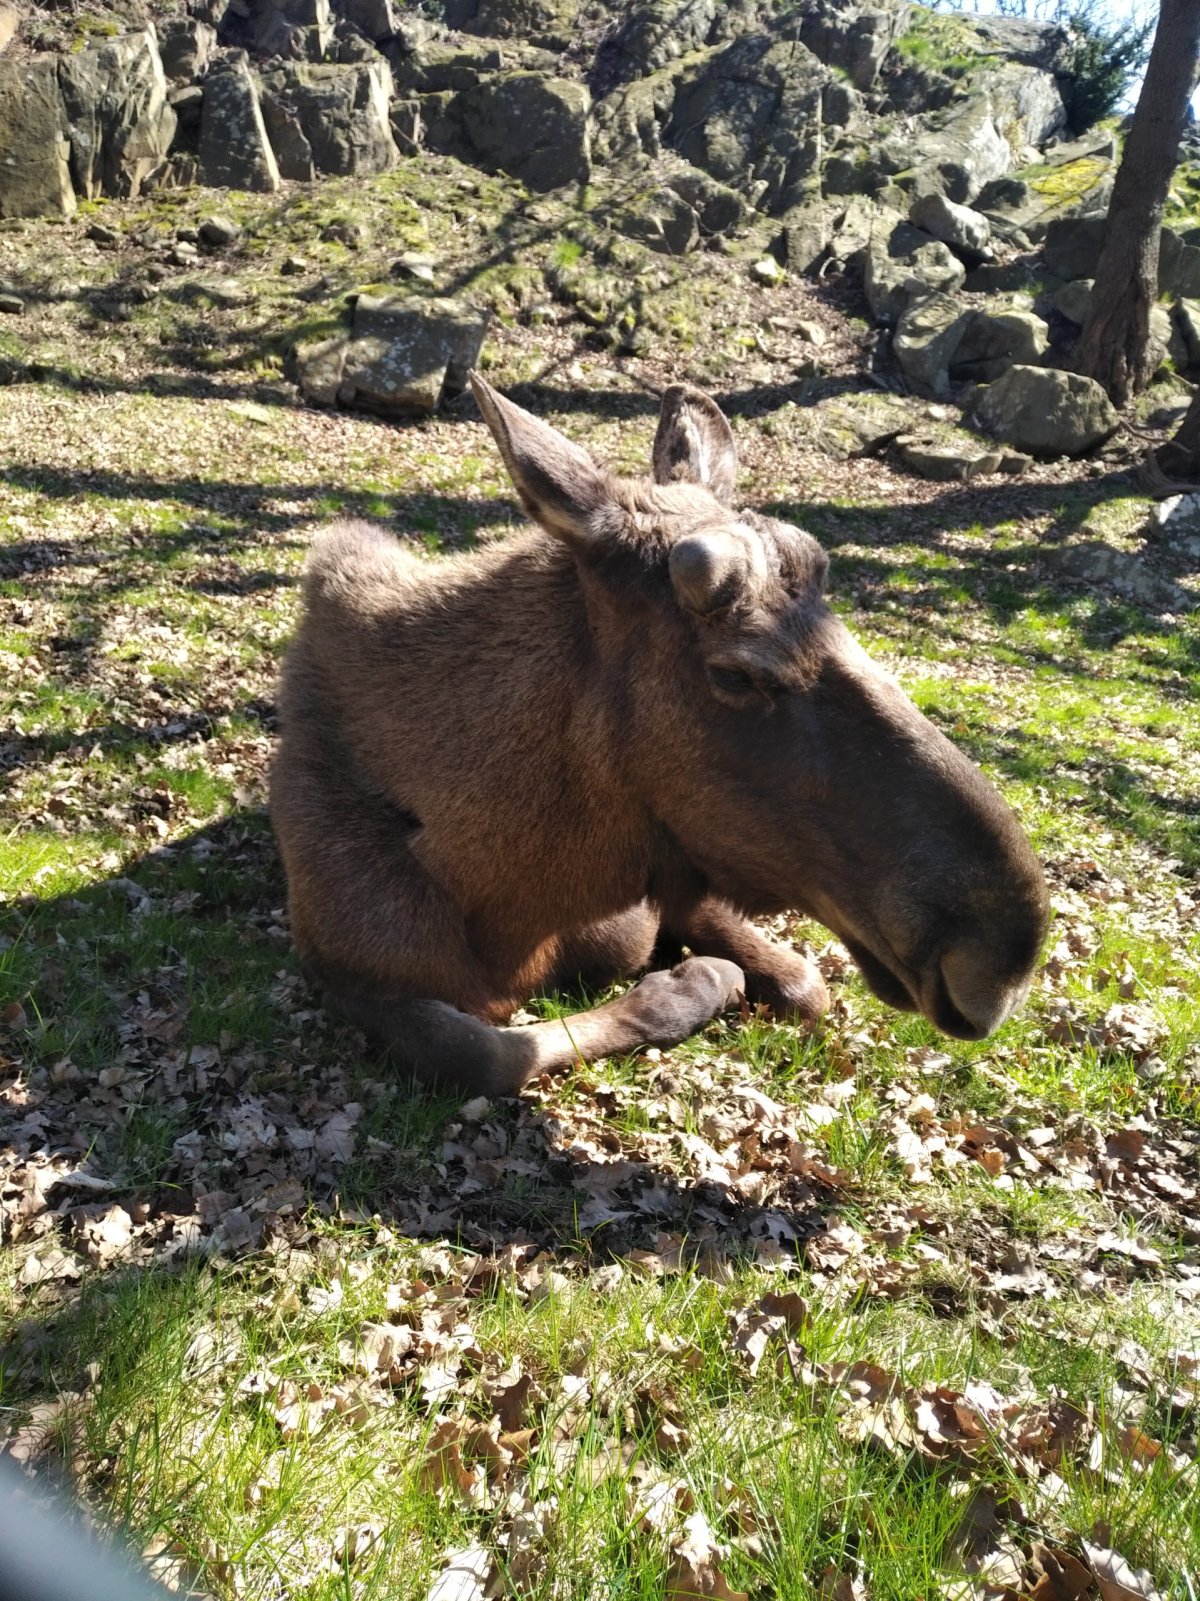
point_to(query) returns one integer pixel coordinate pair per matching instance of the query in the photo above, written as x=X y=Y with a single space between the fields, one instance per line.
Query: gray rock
x=400 y=357
x=1177 y=521
x=1178 y=264
x=408 y=128
x=297 y=30
x=119 y=118
x=35 y=175
x=12 y=305
x=806 y=237
x=437 y=65
x=663 y=221
x=1046 y=412
x=947 y=455
x=957 y=226
x=993 y=340
x=376 y=20
x=1126 y=572
x=188 y=105
x=235 y=152
x=754 y=115
x=1072 y=249
x=414 y=265
x=859 y=423
x=904 y=265
x=288 y=141
x=656 y=32
x=1072 y=246
x=339 y=111
x=766 y=270
x=851 y=40
x=941 y=342
x=533 y=127
x=1097 y=143
x=1186 y=315
x=549 y=23
x=926 y=339
x=218 y=232
x=962 y=153
x=1072 y=300
x=186 y=45
x=718 y=208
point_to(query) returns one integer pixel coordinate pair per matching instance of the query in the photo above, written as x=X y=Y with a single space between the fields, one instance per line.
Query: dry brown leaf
x=1119 y=1581
x=467 y=1576
x=1137 y=1447
x=1062 y=1577
x=444 y=1468
x=834 y=1585
x=695 y=1568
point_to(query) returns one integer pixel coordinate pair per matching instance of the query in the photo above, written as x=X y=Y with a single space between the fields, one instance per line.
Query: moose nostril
x=969 y=1003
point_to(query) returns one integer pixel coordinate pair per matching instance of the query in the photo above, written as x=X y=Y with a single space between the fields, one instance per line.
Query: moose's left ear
x=559 y=484
x=694 y=444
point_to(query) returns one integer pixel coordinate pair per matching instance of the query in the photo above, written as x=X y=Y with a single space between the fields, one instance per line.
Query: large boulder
x=332 y=118
x=859 y=423
x=186 y=45
x=756 y=115
x=376 y=20
x=941 y=342
x=1047 y=412
x=904 y=265
x=35 y=174
x=401 y=357
x=656 y=32
x=549 y=23
x=533 y=127
x=431 y=66
x=1186 y=316
x=967 y=232
x=234 y=151
x=926 y=338
x=120 y=120
x=297 y=30
x=946 y=454
x=852 y=40
x=961 y=152
x=662 y=220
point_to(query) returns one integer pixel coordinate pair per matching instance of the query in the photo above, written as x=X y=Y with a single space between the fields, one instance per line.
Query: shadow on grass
x=175 y=1054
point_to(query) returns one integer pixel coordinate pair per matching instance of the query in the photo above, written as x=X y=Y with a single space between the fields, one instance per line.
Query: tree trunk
x=1115 y=345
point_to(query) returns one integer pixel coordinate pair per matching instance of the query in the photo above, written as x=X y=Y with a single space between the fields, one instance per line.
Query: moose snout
x=966 y=997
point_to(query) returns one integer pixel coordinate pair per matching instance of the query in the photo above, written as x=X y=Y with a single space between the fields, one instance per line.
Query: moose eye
x=739 y=687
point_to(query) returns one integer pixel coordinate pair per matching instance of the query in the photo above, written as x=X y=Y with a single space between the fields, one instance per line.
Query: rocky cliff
x=927 y=162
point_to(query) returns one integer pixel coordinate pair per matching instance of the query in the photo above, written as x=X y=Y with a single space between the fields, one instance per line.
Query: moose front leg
x=438 y=1042
x=776 y=976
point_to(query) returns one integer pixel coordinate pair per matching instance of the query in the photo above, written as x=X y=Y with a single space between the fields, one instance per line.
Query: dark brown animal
x=621 y=732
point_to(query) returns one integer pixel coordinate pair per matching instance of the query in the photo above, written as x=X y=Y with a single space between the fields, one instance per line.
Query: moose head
x=790 y=769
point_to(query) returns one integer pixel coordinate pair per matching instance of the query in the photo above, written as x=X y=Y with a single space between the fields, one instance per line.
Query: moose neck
x=541 y=831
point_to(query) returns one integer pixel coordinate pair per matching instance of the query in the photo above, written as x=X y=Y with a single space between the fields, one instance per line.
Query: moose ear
x=559 y=484
x=694 y=444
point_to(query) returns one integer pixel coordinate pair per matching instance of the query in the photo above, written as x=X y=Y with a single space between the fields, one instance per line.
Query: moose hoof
x=798 y=996
x=671 y=1005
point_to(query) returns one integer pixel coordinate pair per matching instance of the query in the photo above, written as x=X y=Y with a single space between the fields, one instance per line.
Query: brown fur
x=627 y=728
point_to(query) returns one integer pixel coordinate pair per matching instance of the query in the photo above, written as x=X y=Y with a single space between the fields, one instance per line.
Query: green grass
x=152 y=544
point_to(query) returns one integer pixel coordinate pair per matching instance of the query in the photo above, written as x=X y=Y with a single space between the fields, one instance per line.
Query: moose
x=592 y=747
